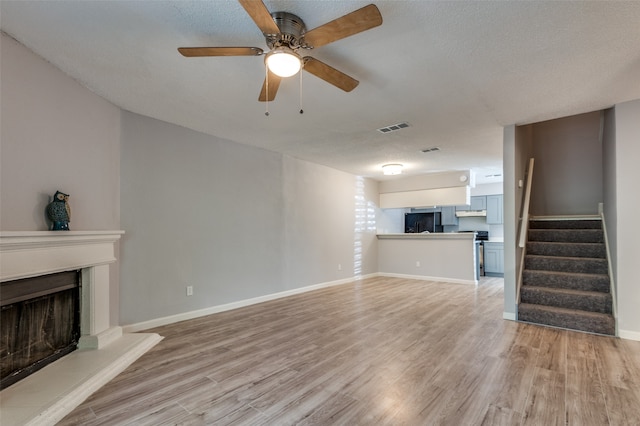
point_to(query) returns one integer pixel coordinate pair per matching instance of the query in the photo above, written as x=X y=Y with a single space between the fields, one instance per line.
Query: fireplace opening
x=40 y=323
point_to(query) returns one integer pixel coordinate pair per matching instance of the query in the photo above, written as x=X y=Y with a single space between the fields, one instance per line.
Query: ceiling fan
x=285 y=34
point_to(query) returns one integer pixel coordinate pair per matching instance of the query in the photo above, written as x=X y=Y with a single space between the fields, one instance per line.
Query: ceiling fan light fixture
x=392 y=169
x=283 y=61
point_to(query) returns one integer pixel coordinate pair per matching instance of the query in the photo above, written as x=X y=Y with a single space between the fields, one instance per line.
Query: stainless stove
x=481 y=237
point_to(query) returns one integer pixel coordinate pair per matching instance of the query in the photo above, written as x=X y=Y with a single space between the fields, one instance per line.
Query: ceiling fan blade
x=260 y=15
x=345 y=26
x=191 y=52
x=274 y=84
x=329 y=74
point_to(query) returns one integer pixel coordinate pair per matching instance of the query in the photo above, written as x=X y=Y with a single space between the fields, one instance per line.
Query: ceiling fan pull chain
x=301 y=110
x=266 y=85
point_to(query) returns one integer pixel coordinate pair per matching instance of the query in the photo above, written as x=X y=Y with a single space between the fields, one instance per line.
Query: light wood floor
x=378 y=351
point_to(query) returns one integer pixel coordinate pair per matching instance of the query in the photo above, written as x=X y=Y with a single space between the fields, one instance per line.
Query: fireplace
x=103 y=350
x=40 y=323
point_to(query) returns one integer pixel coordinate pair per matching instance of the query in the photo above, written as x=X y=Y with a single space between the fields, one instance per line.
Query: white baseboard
x=427 y=278
x=629 y=335
x=511 y=316
x=145 y=325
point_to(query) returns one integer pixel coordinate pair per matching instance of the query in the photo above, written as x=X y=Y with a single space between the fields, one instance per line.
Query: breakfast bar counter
x=446 y=257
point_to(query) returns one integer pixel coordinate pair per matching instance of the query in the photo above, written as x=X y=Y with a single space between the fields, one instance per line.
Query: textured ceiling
x=457 y=72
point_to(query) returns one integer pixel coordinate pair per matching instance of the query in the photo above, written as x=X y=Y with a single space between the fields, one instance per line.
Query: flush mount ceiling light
x=392 y=169
x=283 y=61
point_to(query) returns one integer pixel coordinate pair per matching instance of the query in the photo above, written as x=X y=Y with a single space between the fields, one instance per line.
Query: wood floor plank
x=582 y=345
x=585 y=398
x=623 y=405
x=375 y=351
x=546 y=402
x=500 y=416
x=514 y=374
x=616 y=367
x=552 y=353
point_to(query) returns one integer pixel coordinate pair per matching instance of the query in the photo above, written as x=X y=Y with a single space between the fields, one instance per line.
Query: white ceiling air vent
x=393 y=128
x=434 y=149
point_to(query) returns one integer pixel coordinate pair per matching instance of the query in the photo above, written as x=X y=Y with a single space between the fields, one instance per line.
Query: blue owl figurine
x=59 y=212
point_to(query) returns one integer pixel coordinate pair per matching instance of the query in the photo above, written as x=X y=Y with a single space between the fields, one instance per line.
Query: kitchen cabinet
x=448 y=216
x=494 y=259
x=476 y=203
x=494 y=210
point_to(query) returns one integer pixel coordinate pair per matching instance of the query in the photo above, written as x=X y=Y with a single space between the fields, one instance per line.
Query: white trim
x=511 y=316
x=100 y=340
x=157 y=322
x=25 y=254
x=612 y=283
x=429 y=236
x=629 y=335
x=568 y=217
x=428 y=278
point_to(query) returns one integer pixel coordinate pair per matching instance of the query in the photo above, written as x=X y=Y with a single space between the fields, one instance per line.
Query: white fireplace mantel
x=25 y=254
x=104 y=351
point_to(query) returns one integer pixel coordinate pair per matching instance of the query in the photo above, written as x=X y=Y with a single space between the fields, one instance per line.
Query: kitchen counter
x=429 y=236
x=445 y=257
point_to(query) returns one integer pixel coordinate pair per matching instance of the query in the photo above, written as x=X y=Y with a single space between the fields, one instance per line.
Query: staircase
x=565 y=281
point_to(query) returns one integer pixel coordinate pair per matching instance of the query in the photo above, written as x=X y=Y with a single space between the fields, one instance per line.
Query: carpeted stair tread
x=564 y=249
x=567 y=235
x=567 y=264
x=574 y=319
x=565 y=224
x=593 y=301
x=567 y=280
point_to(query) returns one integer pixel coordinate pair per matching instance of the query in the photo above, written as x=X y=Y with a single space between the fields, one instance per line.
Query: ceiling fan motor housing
x=292 y=29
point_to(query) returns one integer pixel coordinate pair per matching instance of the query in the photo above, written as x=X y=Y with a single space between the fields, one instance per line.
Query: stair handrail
x=524 y=227
x=525 y=208
x=614 y=307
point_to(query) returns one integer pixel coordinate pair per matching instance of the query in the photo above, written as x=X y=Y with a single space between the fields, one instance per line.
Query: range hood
x=471 y=213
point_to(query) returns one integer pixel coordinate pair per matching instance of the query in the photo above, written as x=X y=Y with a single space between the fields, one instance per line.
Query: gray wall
x=610 y=208
x=568 y=177
x=330 y=223
x=233 y=221
x=627 y=153
x=55 y=134
x=517 y=149
x=198 y=211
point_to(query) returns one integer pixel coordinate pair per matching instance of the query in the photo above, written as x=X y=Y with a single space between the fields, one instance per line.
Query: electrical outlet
x=189 y=290
x=339 y=266
x=417 y=263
